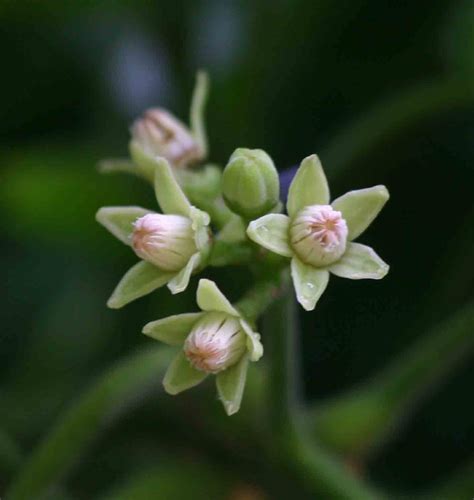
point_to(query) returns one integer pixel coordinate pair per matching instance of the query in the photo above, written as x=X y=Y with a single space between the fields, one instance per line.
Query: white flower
x=215 y=341
x=167 y=241
x=318 y=236
x=159 y=133
x=172 y=245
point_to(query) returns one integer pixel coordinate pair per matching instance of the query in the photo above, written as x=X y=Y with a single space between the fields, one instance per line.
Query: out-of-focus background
x=382 y=91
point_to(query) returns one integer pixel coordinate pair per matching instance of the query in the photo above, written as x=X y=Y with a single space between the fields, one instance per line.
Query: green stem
x=280 y=326
x=324 y=475
x=390 y=117
x=217 y=209
x=127 y=383
x=224 y=253
x=291 y=444
x=359 y=420
x=258 y=298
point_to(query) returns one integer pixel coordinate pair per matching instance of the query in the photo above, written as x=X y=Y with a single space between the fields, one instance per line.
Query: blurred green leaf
x=355 y=422
x=459 y=39
x=457 y=486
x=10 y=455
x=174 y=480
x=53 y=195
x=393 y=115
x=126 y=384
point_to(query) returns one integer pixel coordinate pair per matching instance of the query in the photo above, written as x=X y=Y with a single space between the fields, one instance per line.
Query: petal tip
x=146 y=329
x=230 y=408
x=114 y=304
x=383 y=191
x=169 y=389
x=306 y=305
x=175 y=289
x=383 y=271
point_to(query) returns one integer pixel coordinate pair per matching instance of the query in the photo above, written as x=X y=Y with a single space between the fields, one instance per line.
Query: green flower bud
x=250 y=183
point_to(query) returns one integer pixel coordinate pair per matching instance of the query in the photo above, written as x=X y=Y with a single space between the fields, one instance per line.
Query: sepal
x=271 y=232
x=210 y=298
x=138 y=281
x=230 y=385
x=119 y=220
x=360 y=262
x=181 y=375
x=172 y=330
x=309 y=186
x=180 y=281
x=169 y=194
x=309 y=283
x=360 y=207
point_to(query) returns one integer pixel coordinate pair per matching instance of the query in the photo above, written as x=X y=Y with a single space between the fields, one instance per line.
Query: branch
x=291 y=445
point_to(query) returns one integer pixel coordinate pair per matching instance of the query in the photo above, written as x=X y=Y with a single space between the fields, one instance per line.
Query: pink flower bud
x=216 y=342
x=167 y=241
x=318 y=235
x=161 y=134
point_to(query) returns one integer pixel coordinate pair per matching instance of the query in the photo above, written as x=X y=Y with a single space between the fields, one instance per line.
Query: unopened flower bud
x=167 y=241
x=161 y=134
x=318 y=235
x=250 y=183
x=216 y=342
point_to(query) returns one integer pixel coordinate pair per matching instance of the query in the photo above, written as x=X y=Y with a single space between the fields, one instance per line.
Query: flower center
x=318 y=235
x=215 y=343
x=167 y=241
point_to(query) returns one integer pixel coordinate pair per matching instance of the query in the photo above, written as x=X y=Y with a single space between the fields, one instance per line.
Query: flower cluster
x=211 y=218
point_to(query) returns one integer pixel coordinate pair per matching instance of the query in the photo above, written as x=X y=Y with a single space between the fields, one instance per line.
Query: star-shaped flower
x=172 y=245
x=217 y=340
x=318 y=236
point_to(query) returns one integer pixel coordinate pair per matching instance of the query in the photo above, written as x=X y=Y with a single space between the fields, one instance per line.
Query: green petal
x=181 y=375
x=145 y=164
x=169 y=194
x=309 y=283
x=210 y=298
x=172 y=330
x=230 y=385
x=359 y=262
x=271 y=232
x=119 y=220
x=198 y=104
x=140 y=280
x=200 y=222
x=254 y=346
x=359 y=208
x=309 y=186
x=180 y=281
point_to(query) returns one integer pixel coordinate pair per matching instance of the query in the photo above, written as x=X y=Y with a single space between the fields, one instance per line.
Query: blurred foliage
x=383 y=91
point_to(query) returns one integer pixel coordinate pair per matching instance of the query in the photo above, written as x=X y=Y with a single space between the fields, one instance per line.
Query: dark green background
x=289 y=76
